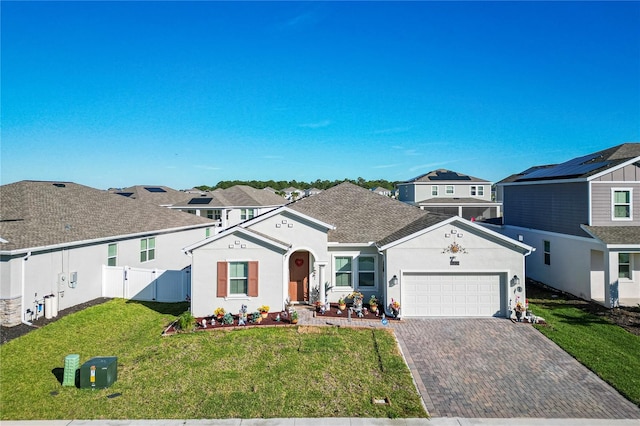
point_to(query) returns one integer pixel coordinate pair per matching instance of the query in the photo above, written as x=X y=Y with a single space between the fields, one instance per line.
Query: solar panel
x=449 y=176
x=154 y=189
x=568 y=169
x=200 y=201
x=125 y=194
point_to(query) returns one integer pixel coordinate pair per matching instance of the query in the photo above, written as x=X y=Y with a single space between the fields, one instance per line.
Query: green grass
x=250 y=373
x=605 y=348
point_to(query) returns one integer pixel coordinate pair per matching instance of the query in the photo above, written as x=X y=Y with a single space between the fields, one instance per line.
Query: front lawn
x=250 y=373
x=607 y=349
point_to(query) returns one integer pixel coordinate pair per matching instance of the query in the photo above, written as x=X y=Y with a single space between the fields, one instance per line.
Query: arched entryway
x=299 y=276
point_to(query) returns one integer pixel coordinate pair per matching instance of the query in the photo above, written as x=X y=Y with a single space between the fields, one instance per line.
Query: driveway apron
x=493 y=368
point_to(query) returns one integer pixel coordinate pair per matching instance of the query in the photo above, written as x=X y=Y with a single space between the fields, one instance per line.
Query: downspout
x=23 y=279
x=386 y=283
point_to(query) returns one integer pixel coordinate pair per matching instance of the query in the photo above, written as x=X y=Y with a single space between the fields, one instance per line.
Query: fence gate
x=146 y=284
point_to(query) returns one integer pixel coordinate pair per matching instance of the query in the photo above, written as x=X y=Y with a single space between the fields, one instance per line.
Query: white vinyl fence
x=146 y=284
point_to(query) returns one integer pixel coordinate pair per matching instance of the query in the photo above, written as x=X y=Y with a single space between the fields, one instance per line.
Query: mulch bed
x=334 y=312
x=273 y=319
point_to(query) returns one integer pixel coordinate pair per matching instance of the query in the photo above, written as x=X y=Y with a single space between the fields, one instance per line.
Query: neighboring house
x=230 y=206
x=74 y=242
x=445 y=191
x=155 y=194
x=292 y=193
x=352 y=239
x=382 y=191
x=583 y=216
x=312 y=191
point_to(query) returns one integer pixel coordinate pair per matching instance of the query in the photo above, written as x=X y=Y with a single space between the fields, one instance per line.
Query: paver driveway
x=495 y=368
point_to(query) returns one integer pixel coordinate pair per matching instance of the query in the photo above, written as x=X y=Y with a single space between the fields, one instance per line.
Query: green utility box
x=99 y=372
x=71 y=365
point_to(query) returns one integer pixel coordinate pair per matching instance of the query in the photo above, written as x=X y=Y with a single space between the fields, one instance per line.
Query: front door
x=299 y=276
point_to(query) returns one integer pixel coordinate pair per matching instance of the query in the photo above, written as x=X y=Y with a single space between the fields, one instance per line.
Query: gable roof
x=235 y=196
x=35 y=214
x=583 y=167
x=156 y=194
x=615 y=235
x=443 y=175
x=360 y=215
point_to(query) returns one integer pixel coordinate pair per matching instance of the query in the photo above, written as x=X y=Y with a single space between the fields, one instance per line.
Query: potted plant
x=219 y=312
x=294 y=317
x=256 y=318
x=395 y=307
x=373 y=303
x=227 y=318
x=342 y=305
x=264 y=310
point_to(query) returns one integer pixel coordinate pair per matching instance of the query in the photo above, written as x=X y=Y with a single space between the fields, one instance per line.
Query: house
x=382 y=191
x=351 y=239
x=69 y=243
x=449 y=192
x=292 y=193
x=311 y=191
x=154 y=194
x=230 y=206
x=583 y=216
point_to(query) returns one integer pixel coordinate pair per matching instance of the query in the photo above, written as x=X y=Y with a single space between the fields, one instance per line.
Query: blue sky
x=113 y=94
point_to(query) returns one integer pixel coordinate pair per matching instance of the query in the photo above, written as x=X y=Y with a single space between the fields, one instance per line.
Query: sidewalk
x=341 y=421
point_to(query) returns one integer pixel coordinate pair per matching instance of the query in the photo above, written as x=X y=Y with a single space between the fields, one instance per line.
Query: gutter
x=22 y=307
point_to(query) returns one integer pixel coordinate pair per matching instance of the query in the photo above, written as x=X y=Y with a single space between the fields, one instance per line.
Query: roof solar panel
x=154 y=189
x=449 y=176
x=125 y=194
x=205 y=200
x=568 y=169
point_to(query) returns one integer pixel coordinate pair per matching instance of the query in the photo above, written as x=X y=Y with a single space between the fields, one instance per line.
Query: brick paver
x=493 y=368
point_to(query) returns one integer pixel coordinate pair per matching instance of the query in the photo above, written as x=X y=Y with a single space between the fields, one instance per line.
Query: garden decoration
x=394 y=306
x=373 y=304
x=242 y=315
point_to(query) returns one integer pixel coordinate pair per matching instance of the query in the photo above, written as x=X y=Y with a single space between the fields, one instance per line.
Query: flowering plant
x=355 y=295
x=263 y=308
x=395 y=305
x=341 y=301
x=373 y=301
x=219 y=312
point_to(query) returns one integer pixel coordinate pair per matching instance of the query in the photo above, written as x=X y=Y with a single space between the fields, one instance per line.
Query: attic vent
x=59 y=185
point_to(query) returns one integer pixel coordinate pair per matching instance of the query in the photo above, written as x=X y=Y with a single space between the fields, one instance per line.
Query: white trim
x=285 y=209
x=590 y=203
x=557 y=234
x=230 y=231
x=463 y=222
x=613 y=204
x=103 y=240
x=613 y=169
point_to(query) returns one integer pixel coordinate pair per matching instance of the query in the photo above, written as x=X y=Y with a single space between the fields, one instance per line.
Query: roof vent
x=59 y=185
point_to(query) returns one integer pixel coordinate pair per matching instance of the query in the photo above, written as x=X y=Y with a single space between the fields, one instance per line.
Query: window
x=214 y=214
x=621 y=206
x=477 y=190
x=434 y=190
x=547 y=252
x=247 y=214
x=207 y=232
x=191 y=211
x=449 y=190
x=366 y=271
x=147 y=249
x=624 y=265
x=343 y=272
x=238 y=278
x=112 y=255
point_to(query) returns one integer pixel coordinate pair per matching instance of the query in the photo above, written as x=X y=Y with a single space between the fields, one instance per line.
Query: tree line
x=279 y=185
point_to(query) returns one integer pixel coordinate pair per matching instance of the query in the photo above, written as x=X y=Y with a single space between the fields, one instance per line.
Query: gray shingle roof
x=156 y=194
x=443 y=175
x=35 y=214
x=615 y=234
x=362 y=216
x=580 y=167
x=235 y=196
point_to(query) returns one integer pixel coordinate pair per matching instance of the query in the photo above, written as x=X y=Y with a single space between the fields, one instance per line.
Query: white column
x=611 y=295
x=321 y=268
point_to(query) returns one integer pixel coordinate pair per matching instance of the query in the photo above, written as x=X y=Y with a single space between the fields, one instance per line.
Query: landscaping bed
x=336 y=312
x=211 y=323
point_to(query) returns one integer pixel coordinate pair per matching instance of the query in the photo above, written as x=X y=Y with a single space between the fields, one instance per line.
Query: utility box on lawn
x=99 y=372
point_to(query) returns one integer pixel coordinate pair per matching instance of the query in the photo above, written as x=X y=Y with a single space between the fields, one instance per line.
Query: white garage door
x=452 y=295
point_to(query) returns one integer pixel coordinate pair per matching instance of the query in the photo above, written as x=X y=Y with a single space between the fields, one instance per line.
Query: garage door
x=452 y=295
